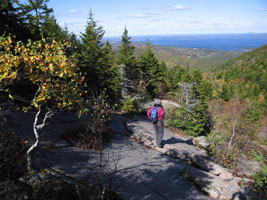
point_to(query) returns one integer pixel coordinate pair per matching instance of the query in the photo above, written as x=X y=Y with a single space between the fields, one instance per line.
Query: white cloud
x=74 y=13
x=141 y=15
x=176 y=7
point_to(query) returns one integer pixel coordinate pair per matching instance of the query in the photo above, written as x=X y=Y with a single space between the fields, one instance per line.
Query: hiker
x=156 y=115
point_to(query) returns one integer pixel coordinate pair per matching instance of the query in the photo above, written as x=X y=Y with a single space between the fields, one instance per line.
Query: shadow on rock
x=174 y=140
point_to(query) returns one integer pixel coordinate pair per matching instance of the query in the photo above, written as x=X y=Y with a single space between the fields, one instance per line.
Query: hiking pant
x=159 y=131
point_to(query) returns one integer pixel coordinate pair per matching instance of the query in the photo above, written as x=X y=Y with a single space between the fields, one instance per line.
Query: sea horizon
x=239 y=42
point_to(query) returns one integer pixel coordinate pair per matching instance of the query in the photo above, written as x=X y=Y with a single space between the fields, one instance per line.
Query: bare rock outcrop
x=209 y=176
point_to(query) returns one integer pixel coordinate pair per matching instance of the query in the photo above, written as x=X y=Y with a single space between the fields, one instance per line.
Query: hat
x=157 y=101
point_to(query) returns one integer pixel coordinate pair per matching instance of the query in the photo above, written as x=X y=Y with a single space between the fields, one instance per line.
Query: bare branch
x=49 y=114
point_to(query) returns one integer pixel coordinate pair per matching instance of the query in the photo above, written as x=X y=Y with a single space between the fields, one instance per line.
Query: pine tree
x=36 y=12
x=126 y=56
x=225 y=95
x=12 y=21
x=97 y=61
x=50 y=28
x=110 y=74
x=91 y=52
x=128 y=67
x=174 y=76
x=150 y=69
x=162 y=86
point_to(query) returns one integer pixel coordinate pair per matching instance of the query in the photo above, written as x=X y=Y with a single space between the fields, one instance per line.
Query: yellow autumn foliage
x=46 y=65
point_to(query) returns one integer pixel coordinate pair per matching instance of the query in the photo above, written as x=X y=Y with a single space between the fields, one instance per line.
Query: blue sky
x=159 y=17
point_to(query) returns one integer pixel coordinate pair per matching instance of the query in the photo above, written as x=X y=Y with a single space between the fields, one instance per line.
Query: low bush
x=85 y=139
x=97 y=130
x=192 y=123
x=260 y=178
x=52 y=189
x=13 y=161
x=225 y=156
x=128 y=105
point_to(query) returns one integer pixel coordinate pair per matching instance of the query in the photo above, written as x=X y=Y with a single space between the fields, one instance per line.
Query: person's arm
x=161 y=113
x=149 y=113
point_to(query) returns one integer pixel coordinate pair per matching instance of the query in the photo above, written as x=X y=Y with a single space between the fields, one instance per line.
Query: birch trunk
x=233 y=134
x=36 y=128
x=35 y=131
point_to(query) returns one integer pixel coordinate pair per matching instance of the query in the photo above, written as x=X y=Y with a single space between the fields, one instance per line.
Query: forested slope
x=246 y=76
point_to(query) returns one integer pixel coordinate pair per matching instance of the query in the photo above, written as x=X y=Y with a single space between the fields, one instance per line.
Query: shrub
x=97 y=131
x=53 y=189
x=224 y=156
x=128 y=105
x=192 y=123
x=13 y=162
x=83 y=138
x=260 y=178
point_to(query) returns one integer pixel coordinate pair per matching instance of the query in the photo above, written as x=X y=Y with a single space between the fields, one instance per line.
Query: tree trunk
x=36 y=128
x=233 y=134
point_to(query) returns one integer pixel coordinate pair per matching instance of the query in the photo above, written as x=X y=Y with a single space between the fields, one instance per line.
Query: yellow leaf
x=51 y=67
x=10 y=96
x=35 y=105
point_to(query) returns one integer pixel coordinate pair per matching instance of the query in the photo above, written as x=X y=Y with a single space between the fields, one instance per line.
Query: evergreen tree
x=128 y=66
x=150 y=69
x=12 y=21
x=110 y=74
x=126 y=56
x=36 y=12
x=50 y=28
x=162 y=86
x=196 y=76
x=225 y=95
x=97 y=61
x=174 y=76
x=91 y=52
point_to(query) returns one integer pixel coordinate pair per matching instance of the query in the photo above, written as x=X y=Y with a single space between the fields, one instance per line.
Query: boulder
x=165 y=103
x=201 y=141
x=213 y=185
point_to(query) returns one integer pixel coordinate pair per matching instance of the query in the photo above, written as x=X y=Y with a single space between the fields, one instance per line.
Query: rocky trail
x=210 y=177
x=136 y=169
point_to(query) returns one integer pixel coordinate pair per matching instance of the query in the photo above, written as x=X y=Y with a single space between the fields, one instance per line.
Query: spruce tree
x=110 y=74
x=150 y=69
x=91 y=52
x=225 y=95
x=128 y=67
x=162 y=86
x=126 y=55
x=97 y=61
x=50 y=28
x=12 y=20
x=174 y=76
x=36 y=12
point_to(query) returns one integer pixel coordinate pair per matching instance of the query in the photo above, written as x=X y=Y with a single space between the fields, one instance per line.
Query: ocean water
x=226 y=42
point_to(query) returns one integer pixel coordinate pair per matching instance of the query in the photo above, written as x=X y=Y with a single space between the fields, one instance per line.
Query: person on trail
x=156 y=115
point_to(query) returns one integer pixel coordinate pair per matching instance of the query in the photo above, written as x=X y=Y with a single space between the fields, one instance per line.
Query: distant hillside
x=245 y=75
x=256 y=56
x=203 y=59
